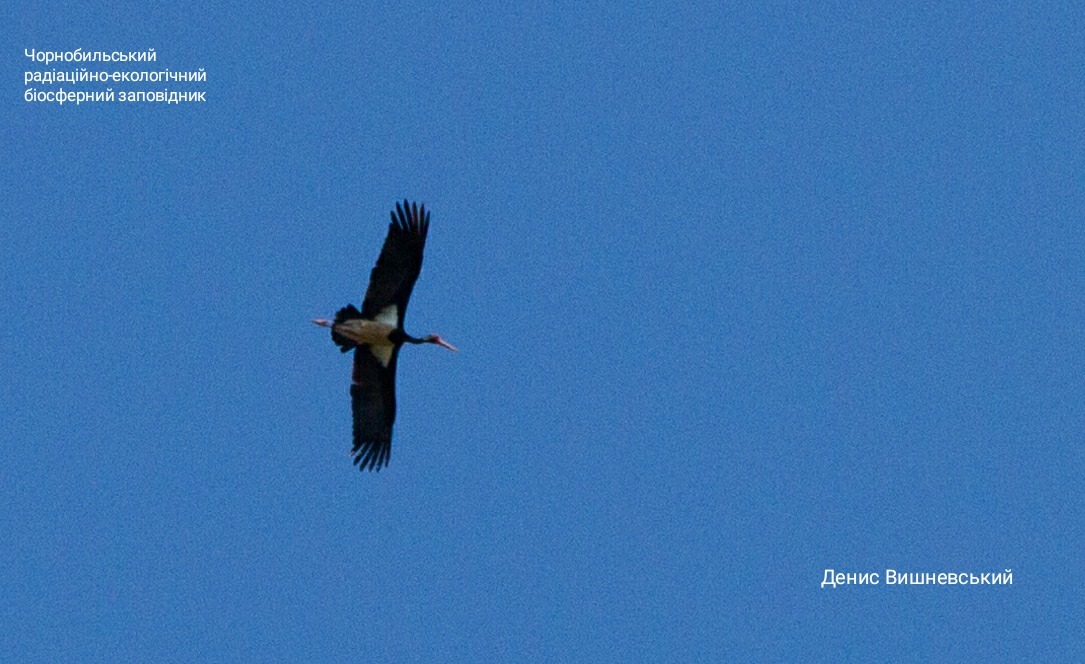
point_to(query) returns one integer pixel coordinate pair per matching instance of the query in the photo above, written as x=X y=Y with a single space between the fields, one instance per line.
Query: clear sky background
x=744 y=291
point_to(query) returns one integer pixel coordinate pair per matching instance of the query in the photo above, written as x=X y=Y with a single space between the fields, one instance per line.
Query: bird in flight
x=376 y=334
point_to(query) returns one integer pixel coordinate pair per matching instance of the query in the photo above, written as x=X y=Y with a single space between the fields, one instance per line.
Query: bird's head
x=434 y=339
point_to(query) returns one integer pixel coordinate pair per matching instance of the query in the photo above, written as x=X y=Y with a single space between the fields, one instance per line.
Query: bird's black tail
x=348 y=312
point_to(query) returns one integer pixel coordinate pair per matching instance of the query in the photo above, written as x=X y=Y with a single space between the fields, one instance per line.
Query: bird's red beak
x=441 y=342
x=322 y=322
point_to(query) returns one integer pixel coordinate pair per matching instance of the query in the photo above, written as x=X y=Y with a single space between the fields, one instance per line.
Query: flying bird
x=376 y=334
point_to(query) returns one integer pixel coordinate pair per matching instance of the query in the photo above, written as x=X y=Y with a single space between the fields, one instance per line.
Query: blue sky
x=744 y=292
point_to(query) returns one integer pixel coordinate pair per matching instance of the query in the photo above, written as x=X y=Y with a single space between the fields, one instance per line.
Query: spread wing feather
x=373 y=405
x=400 y=261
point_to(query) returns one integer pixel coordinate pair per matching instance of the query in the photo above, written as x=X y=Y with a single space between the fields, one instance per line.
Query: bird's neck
x=398 y=336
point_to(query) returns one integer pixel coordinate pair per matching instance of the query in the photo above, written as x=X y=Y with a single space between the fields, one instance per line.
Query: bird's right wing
x=400 y=261
x=373 y=405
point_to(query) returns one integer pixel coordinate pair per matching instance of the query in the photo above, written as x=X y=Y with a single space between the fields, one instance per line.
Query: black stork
x=376 y=334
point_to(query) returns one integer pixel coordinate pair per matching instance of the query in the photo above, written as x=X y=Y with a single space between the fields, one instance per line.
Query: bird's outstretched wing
x=373 y=404
x=400 y=261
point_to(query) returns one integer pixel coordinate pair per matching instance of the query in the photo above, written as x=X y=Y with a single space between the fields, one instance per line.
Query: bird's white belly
x=369 y=332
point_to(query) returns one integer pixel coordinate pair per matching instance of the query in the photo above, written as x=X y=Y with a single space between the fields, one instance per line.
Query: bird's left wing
x=400 y=261
x=373 y=404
